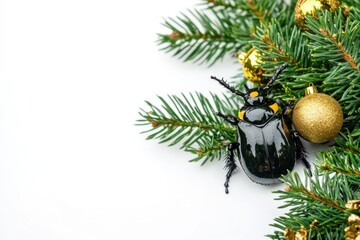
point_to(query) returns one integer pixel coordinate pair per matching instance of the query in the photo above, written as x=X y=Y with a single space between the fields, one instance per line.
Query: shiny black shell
x=266 y=150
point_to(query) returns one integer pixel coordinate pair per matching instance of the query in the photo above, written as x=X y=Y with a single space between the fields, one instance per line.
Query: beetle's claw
x=226 y=190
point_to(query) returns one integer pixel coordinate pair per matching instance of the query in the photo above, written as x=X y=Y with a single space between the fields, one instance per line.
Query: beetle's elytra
x=266 y=146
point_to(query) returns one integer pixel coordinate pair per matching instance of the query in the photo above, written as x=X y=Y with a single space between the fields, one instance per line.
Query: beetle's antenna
x=274 y=77
x=246 y=87
x=300 y=151
x=226 y=85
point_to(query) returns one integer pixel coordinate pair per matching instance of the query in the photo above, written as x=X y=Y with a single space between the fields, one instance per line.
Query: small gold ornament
x=353 y=204
x=251 y=66
x=352 y=232
x=317 y=117
x=308 y=7
x=290 y=234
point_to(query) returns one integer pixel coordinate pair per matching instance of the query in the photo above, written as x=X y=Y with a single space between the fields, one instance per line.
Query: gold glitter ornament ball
x=309 y=7
x=317 y=117
x=251 y=66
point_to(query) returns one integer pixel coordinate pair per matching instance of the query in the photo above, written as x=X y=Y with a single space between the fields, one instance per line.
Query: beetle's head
x=258 y=96
x=255 y=96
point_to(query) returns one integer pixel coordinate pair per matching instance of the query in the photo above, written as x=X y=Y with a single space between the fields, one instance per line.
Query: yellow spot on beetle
x=274 y=107
x=241 y=115
x=254 y=94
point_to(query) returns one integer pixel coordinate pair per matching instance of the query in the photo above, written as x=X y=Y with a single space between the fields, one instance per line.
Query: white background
x=73 y=75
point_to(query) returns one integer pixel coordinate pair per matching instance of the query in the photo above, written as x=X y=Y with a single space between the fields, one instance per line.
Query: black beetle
x=267 y=147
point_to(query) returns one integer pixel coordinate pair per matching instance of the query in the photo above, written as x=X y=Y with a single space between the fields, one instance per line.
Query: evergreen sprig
x=344 y=158
x=327 y=55
x=191 y=121
x=262 y=11
x=335 y=41
x=284 y=44
x=204 y=36
x=318 y=204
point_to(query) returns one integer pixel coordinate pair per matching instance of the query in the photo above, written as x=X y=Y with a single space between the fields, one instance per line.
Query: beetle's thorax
x=258 y=114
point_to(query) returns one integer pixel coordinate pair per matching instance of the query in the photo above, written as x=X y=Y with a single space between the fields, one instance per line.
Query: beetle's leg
x=301 y=153
x=230 y=164
x=286 y=106
x=229 y=118
x=289 y=106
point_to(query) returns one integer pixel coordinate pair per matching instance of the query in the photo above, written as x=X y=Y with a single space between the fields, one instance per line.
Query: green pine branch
x=191 y=122
x=344 y=158
x=318 y=204
x=263 y=11
x=282 y=44
x=320 y=56
x=204 y=37
x=223 y=27
x=338 y=37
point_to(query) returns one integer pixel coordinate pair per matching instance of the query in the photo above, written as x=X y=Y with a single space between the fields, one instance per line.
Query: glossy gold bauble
x=317 y=117
x=251 y=66
x=309 y=7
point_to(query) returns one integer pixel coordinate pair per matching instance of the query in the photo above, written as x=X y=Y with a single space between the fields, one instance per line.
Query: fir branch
x=262 y=11
x=334 y=168
x=265 y=11
x=346 y=56
x=254 y=8
x=330 y=37
x=335 y=40
x=282 y=44
x=191 y=123
x=312 y=191
x=318 y=206
x=205 y=37
x=231 y=4
x=343 y=158
x=287 y=44
x=351 y=9
x=206 y=152
x=275 y=44
x=322 y=199
x=332 y=66
x=314 y=197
